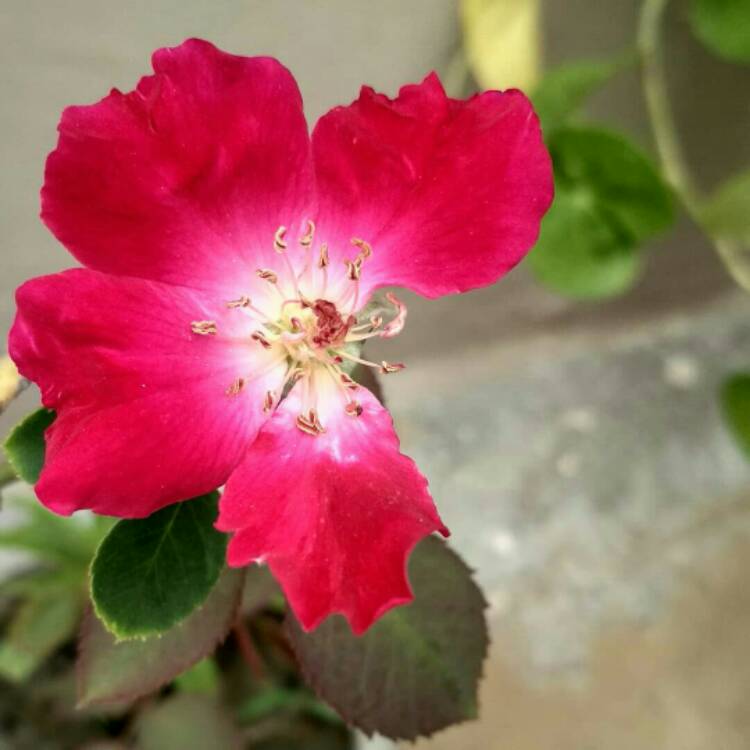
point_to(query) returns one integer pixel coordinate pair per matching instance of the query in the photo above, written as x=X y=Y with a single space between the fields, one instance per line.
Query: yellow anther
x=204 y=327
x=241 y=302
x=310 y=424
x=349 y=382
x=268 y=401
x=389 y=367
x=353 y=269
x=278 y=240
x=259 y=336
x=306 y=239
x=353 y=409
x=396 y=325
x=236 y=387
x=364 y=247
x=267 y=275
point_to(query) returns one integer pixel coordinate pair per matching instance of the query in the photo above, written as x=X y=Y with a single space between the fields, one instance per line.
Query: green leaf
x=187 y=722
x=41 y=624
x=39 y=582
x=24 y=447
x=727 y=213
x=723 y=26
x=416 y=670
x=563 y=90
x=203 y=677
x=276 y=700
x=150 y=573
x=111 y=671
x=735 y=402
x=55 y=539
x=609 y=200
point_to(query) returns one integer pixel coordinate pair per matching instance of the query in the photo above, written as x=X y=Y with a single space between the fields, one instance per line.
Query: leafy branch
x=671 y=154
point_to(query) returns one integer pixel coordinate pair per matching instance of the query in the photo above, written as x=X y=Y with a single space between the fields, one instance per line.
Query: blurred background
x=574 y=446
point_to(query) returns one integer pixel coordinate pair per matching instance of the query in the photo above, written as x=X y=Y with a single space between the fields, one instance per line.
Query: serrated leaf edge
x=202 y=653
x=146 y=633
x=313 y=683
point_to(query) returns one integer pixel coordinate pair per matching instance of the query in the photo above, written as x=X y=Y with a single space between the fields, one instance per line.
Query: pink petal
x=449 y=193
x=335 y=516
x=144 y=417
x=185 y=179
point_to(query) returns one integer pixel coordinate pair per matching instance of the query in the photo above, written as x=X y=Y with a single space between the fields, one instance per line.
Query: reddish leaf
x=416 y=670
x=110 y=671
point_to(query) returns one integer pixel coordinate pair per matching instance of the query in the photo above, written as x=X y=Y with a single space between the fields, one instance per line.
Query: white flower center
x=316 y=327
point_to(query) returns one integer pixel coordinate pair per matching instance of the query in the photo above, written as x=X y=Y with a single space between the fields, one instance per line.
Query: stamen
x=395 y=326
x=204 y=327
x=293 y=301
x=323 y=262
x=306 y=427
x=364 y=247
x=260 y=337
x=348 y=381
x=272 y=365
x=268 y=401
x=353 y=269
x=293 y=374
x=278 y=240
x=388 y=367
x=306 y=239
x=345 y=383
x=310 y=424
x=241 y=302
x=353 y=409
x=267 y=275
x=375 y=322
x=293 y=338
x=384 y=367
x=292 y=274
x=236 y=387
x=340 y=353
x=245 y=303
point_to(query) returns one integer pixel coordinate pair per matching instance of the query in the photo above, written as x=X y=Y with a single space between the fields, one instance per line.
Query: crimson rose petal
x=185 y=178
x=451 y=193
x=144 y=414
x=334 y=516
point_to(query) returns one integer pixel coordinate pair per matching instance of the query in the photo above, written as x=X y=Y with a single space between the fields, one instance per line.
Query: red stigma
x=331 y=326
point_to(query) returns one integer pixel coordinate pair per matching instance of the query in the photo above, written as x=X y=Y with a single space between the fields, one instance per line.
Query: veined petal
x=186 y=179
x=147 y=409
x=335 y=516
x=449 y=193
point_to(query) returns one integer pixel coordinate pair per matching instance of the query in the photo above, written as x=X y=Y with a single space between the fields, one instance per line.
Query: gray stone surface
x=572 y=474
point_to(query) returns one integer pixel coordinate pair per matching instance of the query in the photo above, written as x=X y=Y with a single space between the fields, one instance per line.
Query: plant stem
x=668 y=144
x=247 y=648
x=663 y=125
